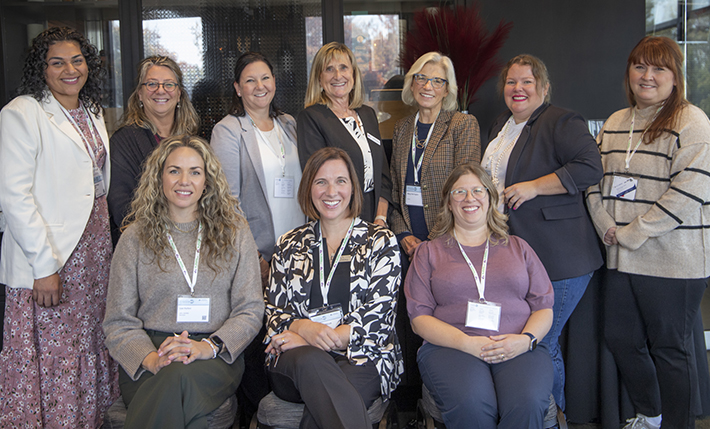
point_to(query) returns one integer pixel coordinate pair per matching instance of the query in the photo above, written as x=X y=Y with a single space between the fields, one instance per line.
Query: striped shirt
x=663 y=231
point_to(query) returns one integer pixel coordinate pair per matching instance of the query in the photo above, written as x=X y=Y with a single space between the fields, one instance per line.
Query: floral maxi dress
x=55 y=371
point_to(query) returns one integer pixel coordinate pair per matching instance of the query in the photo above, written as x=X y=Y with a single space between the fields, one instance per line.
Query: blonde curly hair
x=217 y=209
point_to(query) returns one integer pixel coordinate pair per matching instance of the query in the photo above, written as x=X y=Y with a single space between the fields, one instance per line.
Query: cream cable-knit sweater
x=665 y=231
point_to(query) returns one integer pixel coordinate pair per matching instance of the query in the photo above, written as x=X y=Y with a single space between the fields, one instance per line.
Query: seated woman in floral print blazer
x=344 y=347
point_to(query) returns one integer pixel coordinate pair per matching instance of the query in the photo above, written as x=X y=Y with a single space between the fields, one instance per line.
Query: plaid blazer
x=455 y=140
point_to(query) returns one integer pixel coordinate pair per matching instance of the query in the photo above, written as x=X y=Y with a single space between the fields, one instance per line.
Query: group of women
x=324 y=293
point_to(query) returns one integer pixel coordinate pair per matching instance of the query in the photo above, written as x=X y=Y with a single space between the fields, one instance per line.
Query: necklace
x=183 y=231
x=509 y=144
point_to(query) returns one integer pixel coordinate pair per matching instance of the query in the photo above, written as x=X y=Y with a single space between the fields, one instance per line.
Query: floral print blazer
x=375 y=274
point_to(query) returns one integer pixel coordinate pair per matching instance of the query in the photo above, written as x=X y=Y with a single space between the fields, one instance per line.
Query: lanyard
x=629 y=153
x=480 y=281
x=418 y=165
x=325 y=284
x=91 y=129
x=190 y=282
x=282 y=159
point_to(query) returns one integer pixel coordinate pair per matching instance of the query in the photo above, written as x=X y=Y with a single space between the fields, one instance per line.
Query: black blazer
x=318 y=127
x=557 y=227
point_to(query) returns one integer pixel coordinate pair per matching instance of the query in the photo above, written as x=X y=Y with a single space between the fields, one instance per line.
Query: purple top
x=440 y=283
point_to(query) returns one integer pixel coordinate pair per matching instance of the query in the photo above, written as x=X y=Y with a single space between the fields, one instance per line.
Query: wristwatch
x=217 y=341
x=533 y=341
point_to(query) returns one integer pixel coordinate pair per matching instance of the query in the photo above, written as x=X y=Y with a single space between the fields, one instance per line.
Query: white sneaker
x=640 y=422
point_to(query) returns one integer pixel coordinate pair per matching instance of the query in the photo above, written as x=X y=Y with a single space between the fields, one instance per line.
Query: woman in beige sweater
x=650 y=210
x=184 y=295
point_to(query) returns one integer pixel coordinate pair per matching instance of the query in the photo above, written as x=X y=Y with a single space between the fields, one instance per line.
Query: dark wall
x=584 y=44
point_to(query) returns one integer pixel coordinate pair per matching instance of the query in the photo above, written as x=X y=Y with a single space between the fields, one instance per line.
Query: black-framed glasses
x=167 y=86
x=459 y=194
x=436 y=82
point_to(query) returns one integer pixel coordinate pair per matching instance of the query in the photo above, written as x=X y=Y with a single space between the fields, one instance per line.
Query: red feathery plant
x=460 y=34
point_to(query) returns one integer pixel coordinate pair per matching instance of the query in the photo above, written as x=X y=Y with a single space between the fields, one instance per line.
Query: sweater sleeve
x=601 y=218
x=247 y=303
x=578 y=154
x=372 y=323
x=689 y=189
x=126 y=165
x=225 y=142
x=126 y=339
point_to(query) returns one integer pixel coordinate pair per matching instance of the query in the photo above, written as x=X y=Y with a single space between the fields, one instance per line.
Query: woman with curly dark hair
x=158 y=108
x=54 y=173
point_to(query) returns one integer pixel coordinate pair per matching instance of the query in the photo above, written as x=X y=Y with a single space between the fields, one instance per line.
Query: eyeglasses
x=167 y=86
x=436 y=82
x=460 y=194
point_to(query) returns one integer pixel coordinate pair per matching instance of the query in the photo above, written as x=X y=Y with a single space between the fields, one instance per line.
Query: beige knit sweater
x=665 y=231
x=142 y=296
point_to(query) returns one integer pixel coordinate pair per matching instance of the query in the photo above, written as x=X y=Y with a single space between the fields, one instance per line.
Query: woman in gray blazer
x=256 y=144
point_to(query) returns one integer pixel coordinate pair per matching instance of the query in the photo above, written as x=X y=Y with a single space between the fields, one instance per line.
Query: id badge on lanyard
x=483 y=315
x=329 y=315
x=624 y=187
x=193 y=308
x=284 y=187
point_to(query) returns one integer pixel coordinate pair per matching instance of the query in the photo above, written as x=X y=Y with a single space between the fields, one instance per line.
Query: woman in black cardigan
x=541 y=159
x=335 y=116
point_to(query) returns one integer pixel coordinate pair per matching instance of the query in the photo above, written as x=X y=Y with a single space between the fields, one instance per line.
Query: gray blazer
x=235 y=143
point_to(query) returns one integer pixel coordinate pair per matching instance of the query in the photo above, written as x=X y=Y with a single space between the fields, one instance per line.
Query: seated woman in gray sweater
x=178 y=328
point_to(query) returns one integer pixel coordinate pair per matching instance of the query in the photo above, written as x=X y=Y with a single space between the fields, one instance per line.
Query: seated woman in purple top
x=480 y=299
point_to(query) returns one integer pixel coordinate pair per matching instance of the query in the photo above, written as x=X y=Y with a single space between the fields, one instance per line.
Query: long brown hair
x=661 y=52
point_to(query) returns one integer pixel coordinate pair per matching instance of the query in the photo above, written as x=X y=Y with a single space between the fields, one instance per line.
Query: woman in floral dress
x=55 y=371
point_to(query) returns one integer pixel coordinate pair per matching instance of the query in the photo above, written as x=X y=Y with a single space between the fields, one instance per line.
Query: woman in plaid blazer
x=427 y=146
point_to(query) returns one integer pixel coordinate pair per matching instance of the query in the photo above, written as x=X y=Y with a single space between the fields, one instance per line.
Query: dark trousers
x=649 y=330
x=473 y=394
x=179 y=395
x=336 y=393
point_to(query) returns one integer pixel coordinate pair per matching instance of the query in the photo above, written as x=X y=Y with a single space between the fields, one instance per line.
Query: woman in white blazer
x=56 y=252
x=256 y=144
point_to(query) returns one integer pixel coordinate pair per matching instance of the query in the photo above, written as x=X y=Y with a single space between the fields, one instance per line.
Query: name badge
x=193 y=308
x=329 y=315
x=483 y=315
x=413 y=196
x=99 y=184
x=284 y=187
x=624 y=187
x=373 y=138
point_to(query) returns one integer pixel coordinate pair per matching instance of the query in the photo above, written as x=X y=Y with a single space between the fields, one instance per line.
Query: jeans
x=568 y=292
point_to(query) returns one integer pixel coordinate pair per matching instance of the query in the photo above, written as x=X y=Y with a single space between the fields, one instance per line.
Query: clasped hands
x=498 y=348
x=304 y=332
x=178 y=348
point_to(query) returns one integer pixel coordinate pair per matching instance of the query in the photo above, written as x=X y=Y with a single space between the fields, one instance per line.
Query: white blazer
x=46 y=188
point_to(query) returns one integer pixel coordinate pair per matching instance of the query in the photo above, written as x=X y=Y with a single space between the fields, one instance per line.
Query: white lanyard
x=91 y=127
x=480 y=281
x=418 y=165
x=282 y=158
x=629 y=153
x=190 y=282
x=325 y=284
